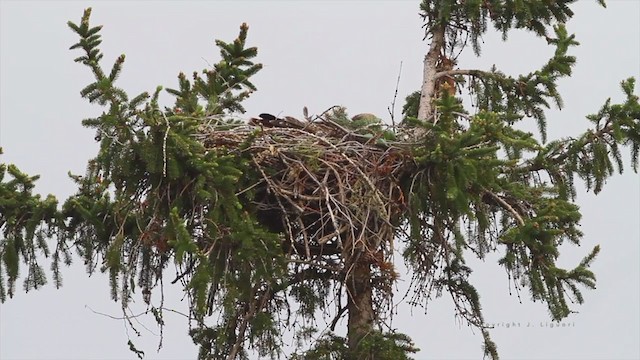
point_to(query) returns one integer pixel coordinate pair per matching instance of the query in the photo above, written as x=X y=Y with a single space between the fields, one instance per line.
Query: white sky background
x=316 y=54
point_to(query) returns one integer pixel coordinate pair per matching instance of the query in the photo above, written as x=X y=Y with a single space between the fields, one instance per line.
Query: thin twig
x=392 y=111
x=164 y=146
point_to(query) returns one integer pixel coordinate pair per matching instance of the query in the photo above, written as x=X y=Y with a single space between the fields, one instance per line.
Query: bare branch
x=507 y=207
x=392 y=110
x=454 y=72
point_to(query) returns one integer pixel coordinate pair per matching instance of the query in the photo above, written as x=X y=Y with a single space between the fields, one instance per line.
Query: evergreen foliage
x=382 y=346
x=27 y=222
x=473 y=184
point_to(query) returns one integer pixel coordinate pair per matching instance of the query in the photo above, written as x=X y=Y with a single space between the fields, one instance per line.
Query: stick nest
x=333 y=192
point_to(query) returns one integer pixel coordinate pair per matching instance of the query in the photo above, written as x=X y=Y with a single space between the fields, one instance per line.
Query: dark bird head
x=267 y=117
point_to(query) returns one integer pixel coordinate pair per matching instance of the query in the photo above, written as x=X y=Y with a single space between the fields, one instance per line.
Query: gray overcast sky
x=316 y=54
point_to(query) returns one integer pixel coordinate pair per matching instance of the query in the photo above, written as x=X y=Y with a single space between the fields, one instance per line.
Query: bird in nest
x=270 y=121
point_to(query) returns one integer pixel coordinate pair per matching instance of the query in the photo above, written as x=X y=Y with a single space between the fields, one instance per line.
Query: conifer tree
x=258 y=217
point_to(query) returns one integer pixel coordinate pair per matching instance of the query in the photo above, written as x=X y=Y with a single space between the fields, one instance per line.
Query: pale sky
x=316 y=54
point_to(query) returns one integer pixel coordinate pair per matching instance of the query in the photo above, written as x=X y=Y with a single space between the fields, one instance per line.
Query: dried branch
x=505 y=205
x=454 y=72
x=392 y=109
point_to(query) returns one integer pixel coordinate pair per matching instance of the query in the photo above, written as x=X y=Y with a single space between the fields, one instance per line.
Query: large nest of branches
x=332 y=189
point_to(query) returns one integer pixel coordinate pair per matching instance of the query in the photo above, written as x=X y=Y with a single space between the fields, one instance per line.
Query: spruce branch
x=589 y=155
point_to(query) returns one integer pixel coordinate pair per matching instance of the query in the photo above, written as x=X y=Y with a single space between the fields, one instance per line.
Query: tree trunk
x=427 y=92
x=360 y=303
